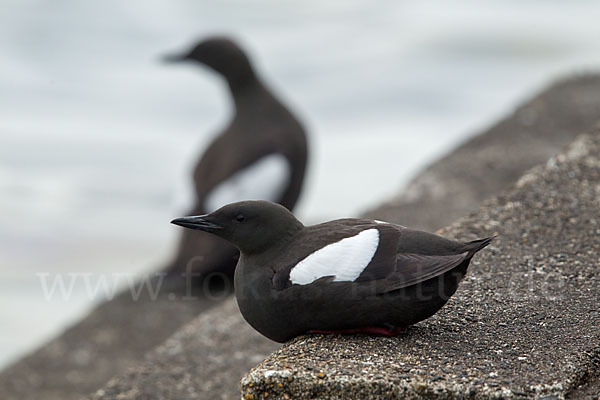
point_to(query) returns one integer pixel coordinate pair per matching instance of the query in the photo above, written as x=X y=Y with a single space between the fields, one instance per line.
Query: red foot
x=368 y=330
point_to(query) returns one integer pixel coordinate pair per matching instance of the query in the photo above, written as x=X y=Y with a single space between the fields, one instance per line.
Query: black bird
x=347 y=275
x=261 y=154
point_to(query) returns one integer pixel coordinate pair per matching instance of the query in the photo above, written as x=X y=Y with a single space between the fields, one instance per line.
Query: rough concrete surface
x=493 y=160
x=524 y=322
x=204 y=360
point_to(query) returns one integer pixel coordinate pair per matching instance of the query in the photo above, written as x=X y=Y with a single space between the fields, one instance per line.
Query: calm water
x=97 y=136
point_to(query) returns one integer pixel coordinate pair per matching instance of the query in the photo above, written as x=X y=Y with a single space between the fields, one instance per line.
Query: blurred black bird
x=343 y=276
x=261 y=154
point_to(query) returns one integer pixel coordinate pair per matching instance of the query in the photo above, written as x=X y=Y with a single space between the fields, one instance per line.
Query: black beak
x=198 y=222
x=174 y=58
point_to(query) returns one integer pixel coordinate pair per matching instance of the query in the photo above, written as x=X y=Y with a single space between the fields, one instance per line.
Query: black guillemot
x=261 y=154
x=347 y=275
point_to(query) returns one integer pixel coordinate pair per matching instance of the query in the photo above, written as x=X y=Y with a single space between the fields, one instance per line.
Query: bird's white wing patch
x=265 y=179
x=387 y=223
x=344 y=260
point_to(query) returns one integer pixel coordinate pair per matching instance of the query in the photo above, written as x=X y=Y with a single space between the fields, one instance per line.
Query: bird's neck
x=247 y=90
x=283 y=238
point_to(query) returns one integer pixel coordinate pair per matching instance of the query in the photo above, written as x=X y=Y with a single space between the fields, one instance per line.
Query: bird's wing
x=408 y=270
x=412 y=269
x=344 y=260
x=264 y=179
x=367 y=255
x=406 y=257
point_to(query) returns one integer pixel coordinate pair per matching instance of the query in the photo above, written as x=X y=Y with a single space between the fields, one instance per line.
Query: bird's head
x=222 y=55
x=251 y=226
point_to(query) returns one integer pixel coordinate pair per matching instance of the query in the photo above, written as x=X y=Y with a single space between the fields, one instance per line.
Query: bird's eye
x=240 y=218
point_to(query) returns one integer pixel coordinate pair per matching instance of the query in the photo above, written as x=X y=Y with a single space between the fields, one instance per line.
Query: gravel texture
x=492 y=161
x=524 y=322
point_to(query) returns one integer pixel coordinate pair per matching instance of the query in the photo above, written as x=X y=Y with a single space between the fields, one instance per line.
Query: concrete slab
x=204 y=360
x=111 y=338
x=524 y=322
x=493 y=160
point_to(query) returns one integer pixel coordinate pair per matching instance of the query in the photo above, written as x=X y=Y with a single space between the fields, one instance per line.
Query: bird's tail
x=476 y=245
